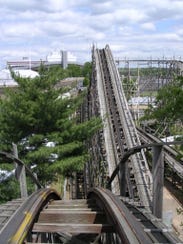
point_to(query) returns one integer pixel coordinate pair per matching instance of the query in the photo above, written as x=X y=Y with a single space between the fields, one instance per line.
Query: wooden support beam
x=20 y=174
x=158 y=180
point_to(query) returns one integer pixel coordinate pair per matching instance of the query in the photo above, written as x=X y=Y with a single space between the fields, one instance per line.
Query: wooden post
x=158 y=181
x=122 y=175
x=36 y=187
x=20 y=174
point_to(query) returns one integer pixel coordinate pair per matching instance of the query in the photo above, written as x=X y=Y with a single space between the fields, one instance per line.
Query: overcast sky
x=132 y=28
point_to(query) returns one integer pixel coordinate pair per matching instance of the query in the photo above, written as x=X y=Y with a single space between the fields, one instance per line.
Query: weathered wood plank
x=72 y=217
x=72 y=228
x=72 y=209
x=75 y=201
x=74 y=205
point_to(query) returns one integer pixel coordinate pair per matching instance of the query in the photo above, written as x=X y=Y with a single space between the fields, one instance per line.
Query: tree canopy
x=43 y=123
x=169 y=102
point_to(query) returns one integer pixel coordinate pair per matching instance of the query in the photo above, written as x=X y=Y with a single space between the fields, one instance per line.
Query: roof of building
x=7 y=80
x=26 y=73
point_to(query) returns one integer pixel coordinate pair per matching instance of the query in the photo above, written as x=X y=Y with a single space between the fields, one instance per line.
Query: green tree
x=9 y=189
x=87 y=69
x=36 y=113
x=169 y=102
x=86 y=72
x=74 y=70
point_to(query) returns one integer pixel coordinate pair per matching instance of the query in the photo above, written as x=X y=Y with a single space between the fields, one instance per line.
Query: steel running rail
x=126 y=226
x=111 y=155
x=43 y=213
x=20 y=224
x=142 y=173
x=131 y=224
x=132 y=151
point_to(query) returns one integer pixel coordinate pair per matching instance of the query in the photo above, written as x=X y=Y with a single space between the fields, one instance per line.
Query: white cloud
x=131 y=27
x=102 y=7
x=129 y=15
x=148 y=26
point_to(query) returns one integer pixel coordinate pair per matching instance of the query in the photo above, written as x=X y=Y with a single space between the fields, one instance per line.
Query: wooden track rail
x=101 y=218
x=109 y=217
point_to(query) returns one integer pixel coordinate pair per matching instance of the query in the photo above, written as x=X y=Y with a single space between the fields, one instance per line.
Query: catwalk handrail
x=134 y=150
x=14 y=159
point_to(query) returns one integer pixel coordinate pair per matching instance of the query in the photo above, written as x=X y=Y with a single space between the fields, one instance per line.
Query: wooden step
x=75 y=205
x=71 y=206
x=72 y=201
x=72 y=217
x=73 y=209
x=72 y=228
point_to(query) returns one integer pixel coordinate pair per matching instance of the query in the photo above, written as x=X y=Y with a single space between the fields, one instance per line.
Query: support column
x=158 y=181
x=20 y=174
x=122 y=175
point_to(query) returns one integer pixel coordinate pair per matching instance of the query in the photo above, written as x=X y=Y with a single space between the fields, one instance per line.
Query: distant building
x=64 y=60
x=56 y=57
x=23 y=64
x=141 y=101
x=6 y=79
x=26 y=73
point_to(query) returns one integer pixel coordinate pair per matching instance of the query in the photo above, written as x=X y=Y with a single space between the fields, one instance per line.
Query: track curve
x=102 y=217
x=126 y=226
x=19 y=225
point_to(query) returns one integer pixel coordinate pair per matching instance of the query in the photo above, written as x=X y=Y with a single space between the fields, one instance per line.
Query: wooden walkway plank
x=72 y=217
x=72 y=228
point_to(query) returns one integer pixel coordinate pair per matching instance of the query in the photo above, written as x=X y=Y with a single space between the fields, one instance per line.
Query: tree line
x=44 y=126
